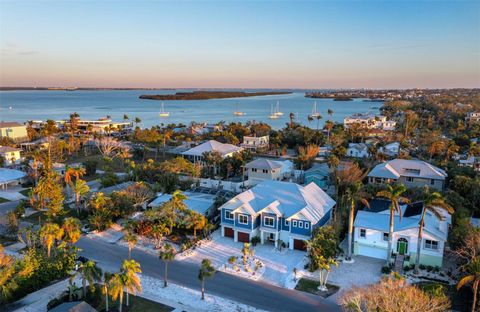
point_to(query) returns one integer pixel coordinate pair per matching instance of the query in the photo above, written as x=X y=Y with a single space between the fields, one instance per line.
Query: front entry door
x=402 y=246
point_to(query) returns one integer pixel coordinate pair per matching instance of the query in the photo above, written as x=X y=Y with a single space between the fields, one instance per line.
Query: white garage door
x=373 y=252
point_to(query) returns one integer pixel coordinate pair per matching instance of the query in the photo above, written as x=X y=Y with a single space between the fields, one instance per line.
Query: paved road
x=257 y=294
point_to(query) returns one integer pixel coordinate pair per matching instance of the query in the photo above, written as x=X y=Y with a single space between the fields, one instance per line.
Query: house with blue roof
x=371 y=230
x=318 y=174
x=277 y=212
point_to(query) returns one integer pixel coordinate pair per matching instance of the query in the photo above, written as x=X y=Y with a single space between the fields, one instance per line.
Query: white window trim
x=383 y=236
x=294 y=223
x=240 y=222
x=307 y=225
x=287 y=223
x=227 y=218
x=273 y=221
x=300 y=224
x=428 y=248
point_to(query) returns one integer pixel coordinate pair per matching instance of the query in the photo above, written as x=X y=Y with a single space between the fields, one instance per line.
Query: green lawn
x=311 y=286
x=136 y=304
x=3 y=200
x=25 y=192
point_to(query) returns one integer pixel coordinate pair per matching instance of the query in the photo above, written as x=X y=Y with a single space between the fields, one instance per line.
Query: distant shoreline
x=75 y=89
x=206 y=95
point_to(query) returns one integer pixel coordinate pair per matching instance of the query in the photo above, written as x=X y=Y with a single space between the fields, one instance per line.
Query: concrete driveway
x=364 y=271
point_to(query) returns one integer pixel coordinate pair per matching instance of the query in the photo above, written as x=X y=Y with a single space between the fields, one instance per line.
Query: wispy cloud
x=11 y=48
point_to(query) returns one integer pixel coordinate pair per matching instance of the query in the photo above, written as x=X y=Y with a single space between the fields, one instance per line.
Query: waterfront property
x=262 y=169
x=13 y=131
x=370 y=121
x=254 y=142
x=372 y=230
x=11 y=155
x=102 y=125
x=410 y=172
x=282 y=213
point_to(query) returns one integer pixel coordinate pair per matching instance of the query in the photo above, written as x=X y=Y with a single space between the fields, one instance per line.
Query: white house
x=391 y=149
x=372 y=230
x=262 y=169
x=11 y=177
x=357 y=150
x=254 y=142
x=195 y=154
x=14 y=131
x=11 y=155
x=370 y=121
x=276 y=212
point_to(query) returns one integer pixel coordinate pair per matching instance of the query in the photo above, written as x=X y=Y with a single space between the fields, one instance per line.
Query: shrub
x=386 y=269
x=232 y=259
x=429 y=268
x=255 y=240
x=422 y=267
x=109 y=179
x=90 y=167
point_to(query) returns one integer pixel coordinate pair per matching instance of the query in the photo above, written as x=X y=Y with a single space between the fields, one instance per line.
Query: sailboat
x=315 y=113
x=237 y=112
x=273 y=114
x=277 y=110
x=163 y=113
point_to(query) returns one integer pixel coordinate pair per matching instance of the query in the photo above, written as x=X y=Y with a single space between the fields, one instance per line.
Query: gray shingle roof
x=395 y=168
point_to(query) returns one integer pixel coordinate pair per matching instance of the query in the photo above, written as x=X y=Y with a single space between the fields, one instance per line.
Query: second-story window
x=363 y=233
x=432 y=181
x=228 y=215
x=242 y=219
x=268 y=221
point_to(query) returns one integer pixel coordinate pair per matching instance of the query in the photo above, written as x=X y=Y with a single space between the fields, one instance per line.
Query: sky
x=240 y=44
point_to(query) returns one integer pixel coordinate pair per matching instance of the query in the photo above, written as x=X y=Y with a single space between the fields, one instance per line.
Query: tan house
x=254 y=142
x=14 y=131
x=11 y=156
x=409 y=172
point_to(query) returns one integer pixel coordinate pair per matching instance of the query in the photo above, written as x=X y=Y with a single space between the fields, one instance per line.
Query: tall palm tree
x=116 y=288
x=71 y=229
x=166 y=254
x=292 y=117
x=432 y=201
x=472 y=277
x=107 y=279
x=206 y=270
x=394 y=194
x=178 y=199
x=137 y=121
x=318 y=117
x=355 y=195
x=330 y=112
x=131 y=240
x=80 y=188
x=49 y=233
x=90 y=273
x=130 y=268
x=329 y=127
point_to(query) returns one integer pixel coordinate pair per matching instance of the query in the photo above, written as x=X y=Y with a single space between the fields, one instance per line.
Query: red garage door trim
x=228 y=232
x=299 y=244
x=243 y=237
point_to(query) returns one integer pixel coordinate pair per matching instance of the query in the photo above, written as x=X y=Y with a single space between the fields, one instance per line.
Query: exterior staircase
x=398 y=267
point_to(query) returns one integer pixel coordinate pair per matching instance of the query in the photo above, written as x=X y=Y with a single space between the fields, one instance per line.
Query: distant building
x=14 y=131
x=11 y=155
x=254 y=142
x=411 y=173
x=357 y=150
x=370 y=121
x=325 y=151
x=470 y=161
x=196 y=153
x=391 y=149
x=318 y=174
x=473 y=117
x=262 y=169
x=102 y=125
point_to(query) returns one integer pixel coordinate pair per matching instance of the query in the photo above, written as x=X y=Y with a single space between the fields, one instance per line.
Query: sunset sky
x=252 y=44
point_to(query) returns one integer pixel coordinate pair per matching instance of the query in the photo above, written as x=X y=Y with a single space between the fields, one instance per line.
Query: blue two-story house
x=276 y=212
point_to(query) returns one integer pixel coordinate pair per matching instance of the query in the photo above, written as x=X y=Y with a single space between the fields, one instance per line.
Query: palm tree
x=166 y=254
x=329 y=127
x=90 y=273
x=49 y=233
x=137 y=121
x=195 y=221
x=177 y=200
x=394 y=194
x=107 y=278
x=292 y=117
x=318 y=117
x=131 y=240
x=125 y=117
x=206 y=270
x=355 y=195
x=116 y=288
x=432 y=201
x=80 y=188
x=472 y=277
x=71 y=229
x=330 y=112
x=130 y=268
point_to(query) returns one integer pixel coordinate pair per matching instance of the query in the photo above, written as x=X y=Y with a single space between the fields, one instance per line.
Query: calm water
x=56 y=105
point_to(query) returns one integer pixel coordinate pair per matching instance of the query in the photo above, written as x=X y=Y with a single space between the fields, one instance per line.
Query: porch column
x=261 y=237
x=276 y=239
x=235 y=236
x=223 y=231
x=290 y=243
